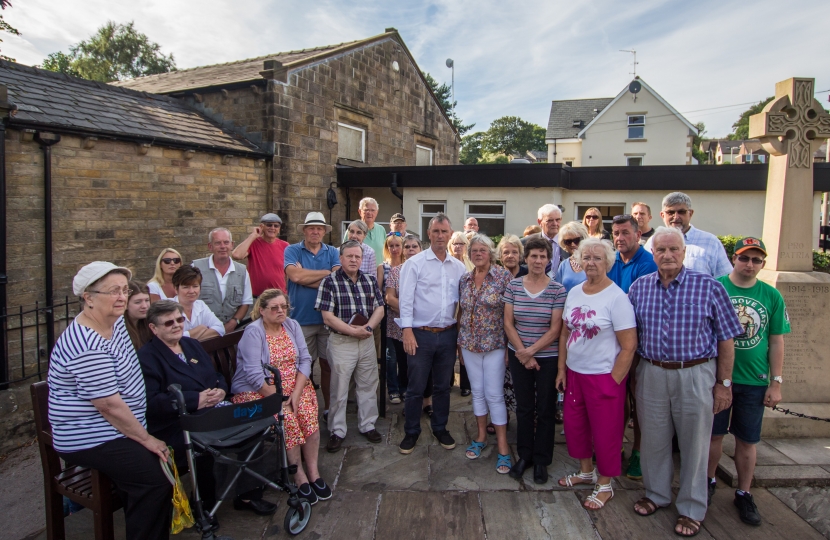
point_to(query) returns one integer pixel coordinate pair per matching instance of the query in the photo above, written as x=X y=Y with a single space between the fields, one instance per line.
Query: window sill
x=636 y=140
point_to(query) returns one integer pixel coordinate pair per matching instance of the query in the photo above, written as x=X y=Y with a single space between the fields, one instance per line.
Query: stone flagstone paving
x=435 y=493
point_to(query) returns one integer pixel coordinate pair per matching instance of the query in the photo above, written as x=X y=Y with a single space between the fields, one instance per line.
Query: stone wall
x=112 y=203
x=361 y=88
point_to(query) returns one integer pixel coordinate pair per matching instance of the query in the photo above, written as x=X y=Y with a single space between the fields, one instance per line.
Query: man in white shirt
x=226 y=285
x=428 y=300
x=704 y=252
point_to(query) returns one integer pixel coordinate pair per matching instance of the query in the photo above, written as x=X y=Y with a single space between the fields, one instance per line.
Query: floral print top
x=482 y=310
x=393 y=330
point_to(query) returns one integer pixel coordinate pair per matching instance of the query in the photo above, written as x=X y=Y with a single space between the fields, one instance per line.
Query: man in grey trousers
x=686 y=328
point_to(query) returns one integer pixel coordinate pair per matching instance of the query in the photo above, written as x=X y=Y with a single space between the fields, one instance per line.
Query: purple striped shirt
x=532 y=316
x=684 y=321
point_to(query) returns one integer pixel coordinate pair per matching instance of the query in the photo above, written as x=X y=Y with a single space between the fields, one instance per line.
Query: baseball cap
x=92 y=272
x=745 y=244
x=396 y=217
x=270 y=218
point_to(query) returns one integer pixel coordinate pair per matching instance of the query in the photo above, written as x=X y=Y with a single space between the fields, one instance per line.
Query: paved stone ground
x=782 y=462
x=435 y=493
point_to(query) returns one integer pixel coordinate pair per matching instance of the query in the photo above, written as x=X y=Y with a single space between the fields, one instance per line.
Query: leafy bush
x=729 y=244
x=496 y=239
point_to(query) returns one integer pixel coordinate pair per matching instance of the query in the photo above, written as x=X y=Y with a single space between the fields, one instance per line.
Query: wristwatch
x=779 y=379
x=238 y=322
x=726 y=382
x=369 y=328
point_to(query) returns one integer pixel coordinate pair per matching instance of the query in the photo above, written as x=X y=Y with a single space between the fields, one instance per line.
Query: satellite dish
x=450 y=63
x=635 y=87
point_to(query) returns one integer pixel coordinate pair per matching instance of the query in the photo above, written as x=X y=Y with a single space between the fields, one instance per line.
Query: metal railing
x=25 y=338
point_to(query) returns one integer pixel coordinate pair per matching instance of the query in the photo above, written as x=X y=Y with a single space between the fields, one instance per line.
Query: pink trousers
x=593 y=416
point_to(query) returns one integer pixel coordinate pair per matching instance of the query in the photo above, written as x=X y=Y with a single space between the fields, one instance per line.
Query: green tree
x=471 y=149
x=512 y=135
x=699 y=155
x=6 y=27
x=114 y=52
x=444 y=94
x=740 y=129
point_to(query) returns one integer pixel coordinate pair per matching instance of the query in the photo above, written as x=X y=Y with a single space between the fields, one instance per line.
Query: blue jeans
x=391 y=368
x=436 y=353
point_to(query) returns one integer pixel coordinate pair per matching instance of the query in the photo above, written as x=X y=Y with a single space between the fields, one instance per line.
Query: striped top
x=532 y=316
x=84 y=366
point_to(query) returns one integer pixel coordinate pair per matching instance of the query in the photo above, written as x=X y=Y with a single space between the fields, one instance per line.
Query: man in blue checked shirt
x=704 y=252
x=686 y=328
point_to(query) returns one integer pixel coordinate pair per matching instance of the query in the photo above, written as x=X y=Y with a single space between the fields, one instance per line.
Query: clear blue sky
x=511 y=58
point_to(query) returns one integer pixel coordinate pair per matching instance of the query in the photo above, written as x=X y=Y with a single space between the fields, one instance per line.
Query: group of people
x=636 y=322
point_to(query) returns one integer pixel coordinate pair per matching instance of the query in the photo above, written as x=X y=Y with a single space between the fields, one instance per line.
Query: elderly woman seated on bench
x=273 y=338
x=97 y=402
x=170 y=358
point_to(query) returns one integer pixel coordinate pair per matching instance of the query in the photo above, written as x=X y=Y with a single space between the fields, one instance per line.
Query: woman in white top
x=597 y=344
x=161 y=284
x=200 y=322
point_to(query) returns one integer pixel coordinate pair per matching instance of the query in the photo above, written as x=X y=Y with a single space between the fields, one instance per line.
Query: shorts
x=316 y=340
x=744 y=418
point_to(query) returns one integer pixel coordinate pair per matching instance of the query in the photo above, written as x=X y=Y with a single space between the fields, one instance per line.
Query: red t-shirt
x=266 y=265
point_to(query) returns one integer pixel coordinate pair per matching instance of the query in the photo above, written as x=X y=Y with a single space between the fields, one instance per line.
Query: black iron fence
x=28 y=341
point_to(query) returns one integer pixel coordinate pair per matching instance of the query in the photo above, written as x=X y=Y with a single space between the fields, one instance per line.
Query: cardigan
x=161 y=368
x=252 y=354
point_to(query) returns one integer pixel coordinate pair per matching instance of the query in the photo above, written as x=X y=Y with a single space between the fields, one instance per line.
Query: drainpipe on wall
x=5 y=107
x=46 y=140
x=394 y=188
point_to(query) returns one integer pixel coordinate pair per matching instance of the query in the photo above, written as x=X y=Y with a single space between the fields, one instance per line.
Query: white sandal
x=599 y=488
x=586 y=477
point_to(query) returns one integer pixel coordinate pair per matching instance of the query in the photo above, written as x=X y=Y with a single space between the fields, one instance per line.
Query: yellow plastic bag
x=182 y=515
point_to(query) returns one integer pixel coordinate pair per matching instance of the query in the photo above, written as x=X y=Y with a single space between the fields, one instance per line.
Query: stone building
x=362 y=103
x=157 y=162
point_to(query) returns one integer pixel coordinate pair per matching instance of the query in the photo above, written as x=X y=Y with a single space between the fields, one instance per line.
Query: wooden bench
x=222 y=350
x=82 y=485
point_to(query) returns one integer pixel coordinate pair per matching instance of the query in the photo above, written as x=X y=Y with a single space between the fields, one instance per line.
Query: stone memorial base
x=806 y=387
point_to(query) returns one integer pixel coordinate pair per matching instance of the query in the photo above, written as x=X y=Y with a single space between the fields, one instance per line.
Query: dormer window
x=577 y=123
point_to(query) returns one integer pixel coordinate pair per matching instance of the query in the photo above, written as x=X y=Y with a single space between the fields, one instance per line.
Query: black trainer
x=445 y=439
x=712 y=484
x=747 y=510
x=305 y=492
x=408 y=444
x=321 y=489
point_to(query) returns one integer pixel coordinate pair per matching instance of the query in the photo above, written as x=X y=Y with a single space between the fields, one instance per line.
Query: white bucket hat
x=92 y=272
x=314 y=218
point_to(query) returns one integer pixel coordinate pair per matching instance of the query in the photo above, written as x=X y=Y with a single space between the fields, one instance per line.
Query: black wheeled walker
x=241 y=430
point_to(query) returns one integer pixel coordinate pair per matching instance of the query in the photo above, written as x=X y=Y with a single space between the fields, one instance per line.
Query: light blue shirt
x=567 y=277
x=704 y=253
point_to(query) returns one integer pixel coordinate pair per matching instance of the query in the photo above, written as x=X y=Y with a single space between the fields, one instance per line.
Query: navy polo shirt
x=302 y=298
x=624 y=274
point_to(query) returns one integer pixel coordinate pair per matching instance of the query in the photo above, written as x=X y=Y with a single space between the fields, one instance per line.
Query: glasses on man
x=277 y=308
x=671 y=213
x=115 y=293
x=572 y=241
x=171 y=260
x=747 y=258
x=171 y=322
x=272 y=225
x=394 y=233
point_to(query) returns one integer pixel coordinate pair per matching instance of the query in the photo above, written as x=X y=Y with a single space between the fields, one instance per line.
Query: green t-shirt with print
x=762 y=313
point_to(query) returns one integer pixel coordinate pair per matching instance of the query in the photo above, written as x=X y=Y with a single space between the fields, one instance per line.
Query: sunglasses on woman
x=171 y=260
x=171 y=322
x=572 y=241
x=394 y=233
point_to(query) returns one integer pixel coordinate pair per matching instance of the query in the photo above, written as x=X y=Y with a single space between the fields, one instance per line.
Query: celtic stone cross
x=791 y=128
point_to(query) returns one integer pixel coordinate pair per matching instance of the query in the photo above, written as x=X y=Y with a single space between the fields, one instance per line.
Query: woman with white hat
x=97 y=402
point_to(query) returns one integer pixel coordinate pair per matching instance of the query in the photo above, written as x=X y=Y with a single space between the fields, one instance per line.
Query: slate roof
x=57 y=101
x=230 y=72
x=563 y=113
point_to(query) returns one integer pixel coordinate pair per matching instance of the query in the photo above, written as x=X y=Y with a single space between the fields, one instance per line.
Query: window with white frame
x=490 y=216
x=608 y=211
x=351 y=142
x=430 y=209
x=423 y=155
x=634 y=161
x=636 y=126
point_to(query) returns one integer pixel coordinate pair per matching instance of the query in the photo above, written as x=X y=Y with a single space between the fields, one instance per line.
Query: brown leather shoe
x=334 y=444
x=373 y=436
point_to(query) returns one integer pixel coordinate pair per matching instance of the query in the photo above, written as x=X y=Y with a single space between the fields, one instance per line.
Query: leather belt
x=676 y=364
x=436 y=330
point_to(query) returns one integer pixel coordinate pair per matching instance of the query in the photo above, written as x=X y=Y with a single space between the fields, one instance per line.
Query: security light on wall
x=395 y=66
